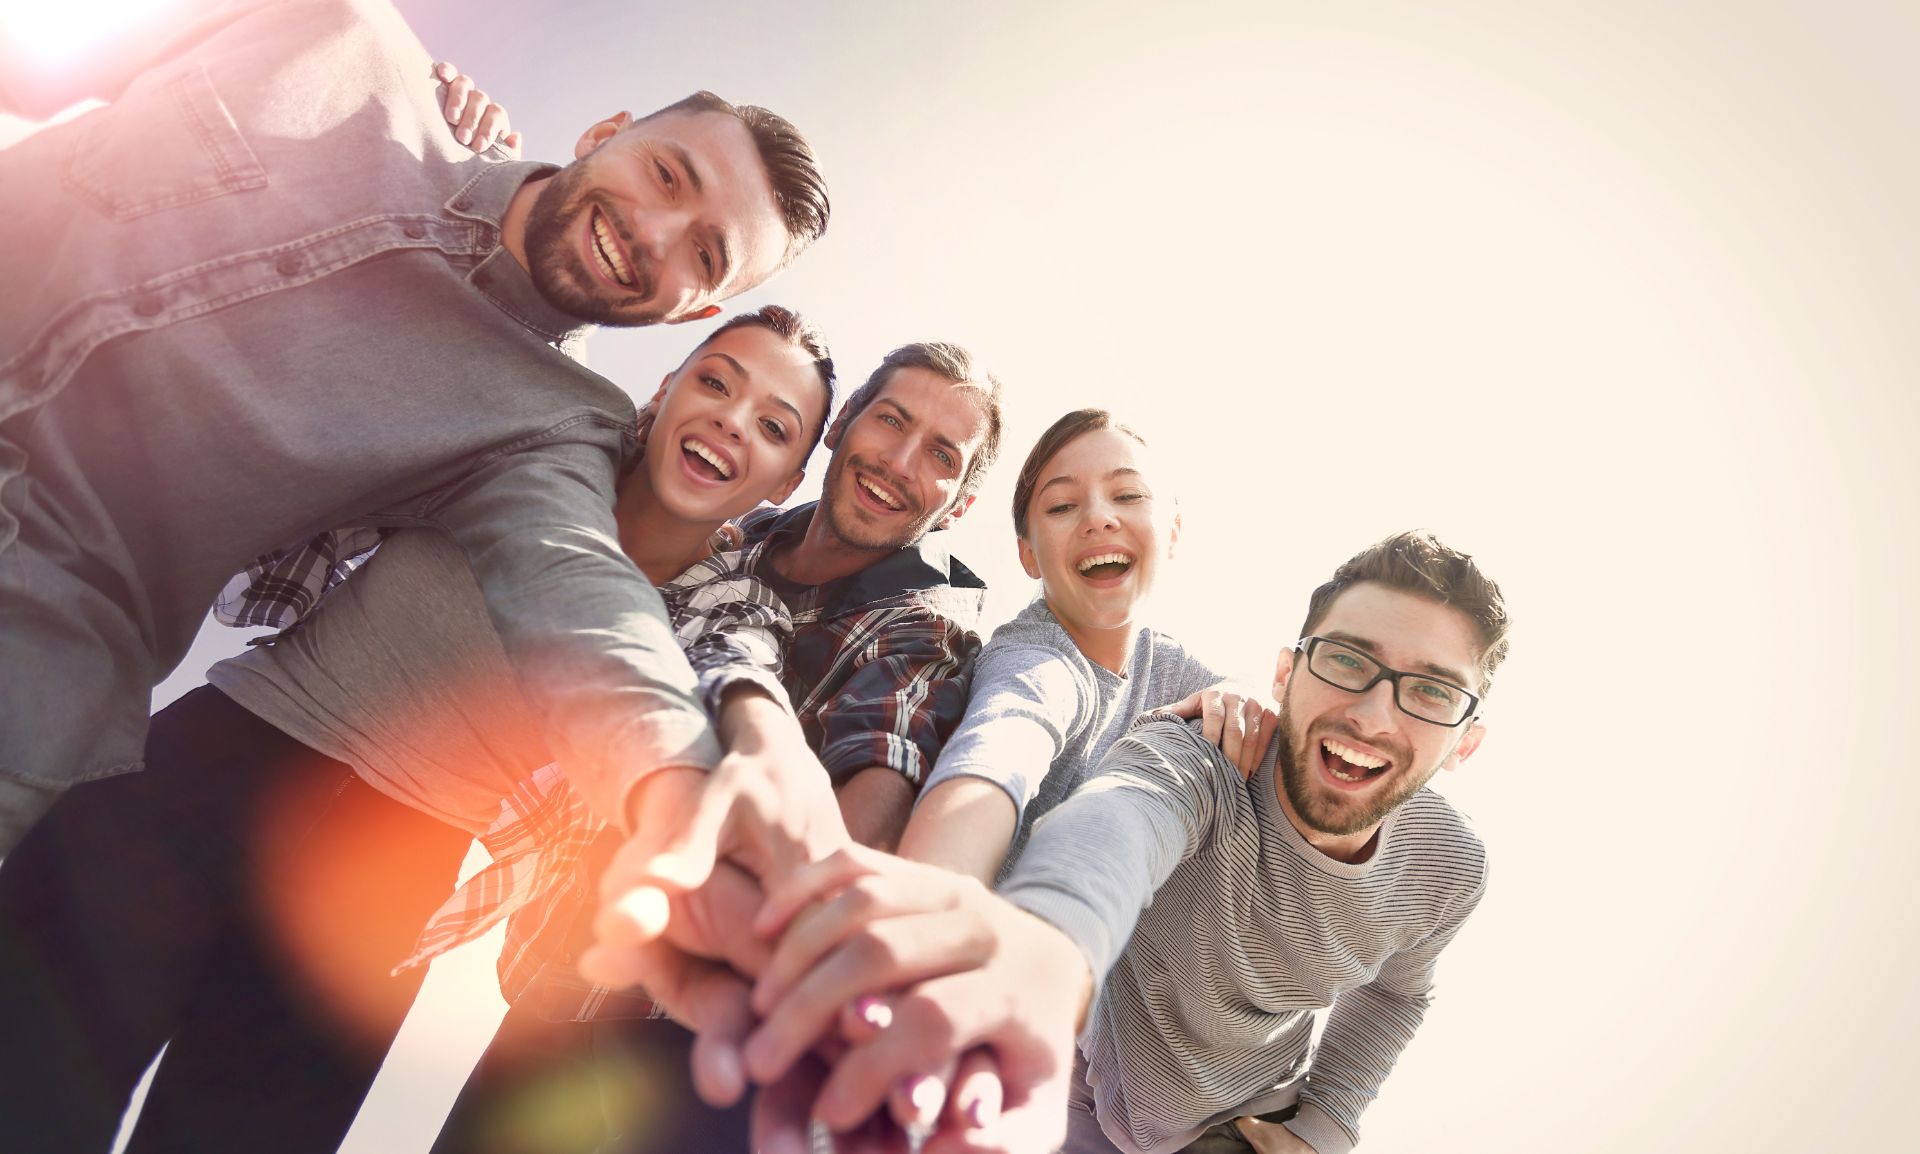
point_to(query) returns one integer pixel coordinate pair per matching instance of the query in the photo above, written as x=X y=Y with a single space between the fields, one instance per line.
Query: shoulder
x=1431 y=837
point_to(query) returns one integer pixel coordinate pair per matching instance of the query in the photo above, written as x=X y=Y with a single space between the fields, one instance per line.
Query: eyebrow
x=685 y=160
x=1064 y=478
x=783 y=402
x=1432 y=669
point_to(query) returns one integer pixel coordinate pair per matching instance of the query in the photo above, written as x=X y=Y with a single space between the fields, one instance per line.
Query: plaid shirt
x=877 y=671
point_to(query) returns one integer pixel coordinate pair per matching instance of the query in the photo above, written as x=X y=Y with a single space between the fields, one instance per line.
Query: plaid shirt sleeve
x=280 y=588
x=906 y=693
x=732 y=626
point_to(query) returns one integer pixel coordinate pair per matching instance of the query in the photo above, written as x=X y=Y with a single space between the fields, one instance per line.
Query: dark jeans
x=240 y=901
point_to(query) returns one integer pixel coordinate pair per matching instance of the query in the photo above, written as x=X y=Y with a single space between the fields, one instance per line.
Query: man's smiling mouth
x=607 y=251
x=1349 y=764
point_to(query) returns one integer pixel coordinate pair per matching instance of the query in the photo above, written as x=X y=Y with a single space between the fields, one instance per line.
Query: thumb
x=1187 y=707
x=444 y=72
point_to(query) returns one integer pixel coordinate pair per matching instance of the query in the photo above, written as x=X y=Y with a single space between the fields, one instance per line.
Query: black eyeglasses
x=1417 y=695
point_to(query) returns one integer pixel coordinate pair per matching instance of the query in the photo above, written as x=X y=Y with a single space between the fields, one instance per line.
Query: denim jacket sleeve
x=588 y=635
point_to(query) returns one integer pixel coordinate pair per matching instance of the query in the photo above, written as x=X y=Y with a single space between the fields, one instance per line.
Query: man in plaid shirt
x=885 y=629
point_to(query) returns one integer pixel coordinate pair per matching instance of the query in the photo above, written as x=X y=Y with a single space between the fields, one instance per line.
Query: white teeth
x=1105 y=559
x=709 y=456
x=879 y=494
x=609 y=252
x=1353 y=757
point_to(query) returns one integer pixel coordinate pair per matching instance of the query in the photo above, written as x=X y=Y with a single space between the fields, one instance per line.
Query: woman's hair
x=797 y=331
x=1058 y=436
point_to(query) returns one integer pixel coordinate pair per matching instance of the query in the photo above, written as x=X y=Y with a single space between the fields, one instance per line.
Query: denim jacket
x=259 y=295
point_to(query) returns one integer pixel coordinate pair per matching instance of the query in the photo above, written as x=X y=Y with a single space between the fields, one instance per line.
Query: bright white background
x=1618 y=297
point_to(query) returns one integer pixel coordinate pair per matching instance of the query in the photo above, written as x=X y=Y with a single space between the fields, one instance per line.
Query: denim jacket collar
x=484 y=199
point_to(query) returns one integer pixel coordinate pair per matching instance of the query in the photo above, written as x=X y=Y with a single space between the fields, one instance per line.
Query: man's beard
x=848 y=528
x=559 y=271
x=1319 y=806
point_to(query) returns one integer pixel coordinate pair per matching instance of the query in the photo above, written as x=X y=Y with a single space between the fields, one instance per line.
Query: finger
x=880 y=956
x=672 y=977
x=789 y=894
x=782 y=1112
x=864 y=1017
x=1213 y=712
x=708 y=921
x=1254 y=745
x=915 y=1103
x=677 y=835
x=511 y=143
x=934 y=1024
x=1188 y=706
x=1233 y=736
x=444 y=71
x=476 y=107
x=454 y=104
x=976 y=1099
x=492 y=125
x=822 y=927
x=719 y=1072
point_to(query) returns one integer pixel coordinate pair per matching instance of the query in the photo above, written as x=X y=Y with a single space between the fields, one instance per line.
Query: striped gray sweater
x=1209 y=1008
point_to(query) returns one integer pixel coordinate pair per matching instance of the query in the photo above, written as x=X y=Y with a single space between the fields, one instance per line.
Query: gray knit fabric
x=1249 y=930
x=1041 y=713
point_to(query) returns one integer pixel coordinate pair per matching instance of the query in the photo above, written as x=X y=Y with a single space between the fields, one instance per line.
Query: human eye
x=1130 y=496
x=1062 y=507
x=714 y=383
x=1436 y=693
x=891 y=421
x=775 y=430
x=706 y=262
x=665 y=174
x=1345 y=659
x=945 y=458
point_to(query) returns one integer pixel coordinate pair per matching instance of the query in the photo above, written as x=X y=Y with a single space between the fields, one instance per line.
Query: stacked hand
x=893 y=1002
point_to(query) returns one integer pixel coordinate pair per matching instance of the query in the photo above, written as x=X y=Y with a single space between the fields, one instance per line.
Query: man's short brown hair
x=799 y=188
x=1417 y=562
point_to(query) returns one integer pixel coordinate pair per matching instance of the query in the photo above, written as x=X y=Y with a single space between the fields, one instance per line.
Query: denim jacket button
x=148 y=306
x=415 y=230
x=287 y=265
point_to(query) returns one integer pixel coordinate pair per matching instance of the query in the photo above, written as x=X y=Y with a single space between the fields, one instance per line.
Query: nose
x=1101 y=514
x=1374 y=711
x=898 y=455
x=657 y=230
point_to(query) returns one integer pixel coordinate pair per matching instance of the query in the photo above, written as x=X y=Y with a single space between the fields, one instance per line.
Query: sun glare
x=54 y=34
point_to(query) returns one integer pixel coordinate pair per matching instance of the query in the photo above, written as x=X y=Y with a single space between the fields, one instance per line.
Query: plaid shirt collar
x=925 y=568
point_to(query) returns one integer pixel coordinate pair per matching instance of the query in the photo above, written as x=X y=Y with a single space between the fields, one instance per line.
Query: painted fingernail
x=925 y=1094
x=873 y=1012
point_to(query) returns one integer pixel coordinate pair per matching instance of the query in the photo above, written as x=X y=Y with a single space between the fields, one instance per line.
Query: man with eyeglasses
x=1330 y=879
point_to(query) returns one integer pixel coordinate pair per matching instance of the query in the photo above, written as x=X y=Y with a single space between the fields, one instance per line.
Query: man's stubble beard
x=1294 y=769
x=558 y=271
x=847 y=530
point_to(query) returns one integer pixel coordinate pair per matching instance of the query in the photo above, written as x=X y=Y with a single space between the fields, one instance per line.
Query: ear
x=779 y=496
x=835 y=431
x=1027 y=560
x=954 y=514
x=696 y=315
x=600 y=133
x=1469 y=741
x=1282 y=670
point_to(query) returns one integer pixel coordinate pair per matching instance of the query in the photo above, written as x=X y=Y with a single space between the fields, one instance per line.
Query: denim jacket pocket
x=176 y=145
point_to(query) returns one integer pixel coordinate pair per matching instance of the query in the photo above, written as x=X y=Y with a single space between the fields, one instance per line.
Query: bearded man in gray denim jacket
x=265 y=292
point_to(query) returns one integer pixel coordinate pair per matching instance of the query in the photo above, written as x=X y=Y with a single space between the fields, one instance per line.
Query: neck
x=513 y=223
x=660 y=543
x=821 y=555
x=1109 y=648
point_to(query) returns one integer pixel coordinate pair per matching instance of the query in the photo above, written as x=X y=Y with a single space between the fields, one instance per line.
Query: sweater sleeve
x=1097 y=859
x=1027 y=702
x=1365 y=1032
